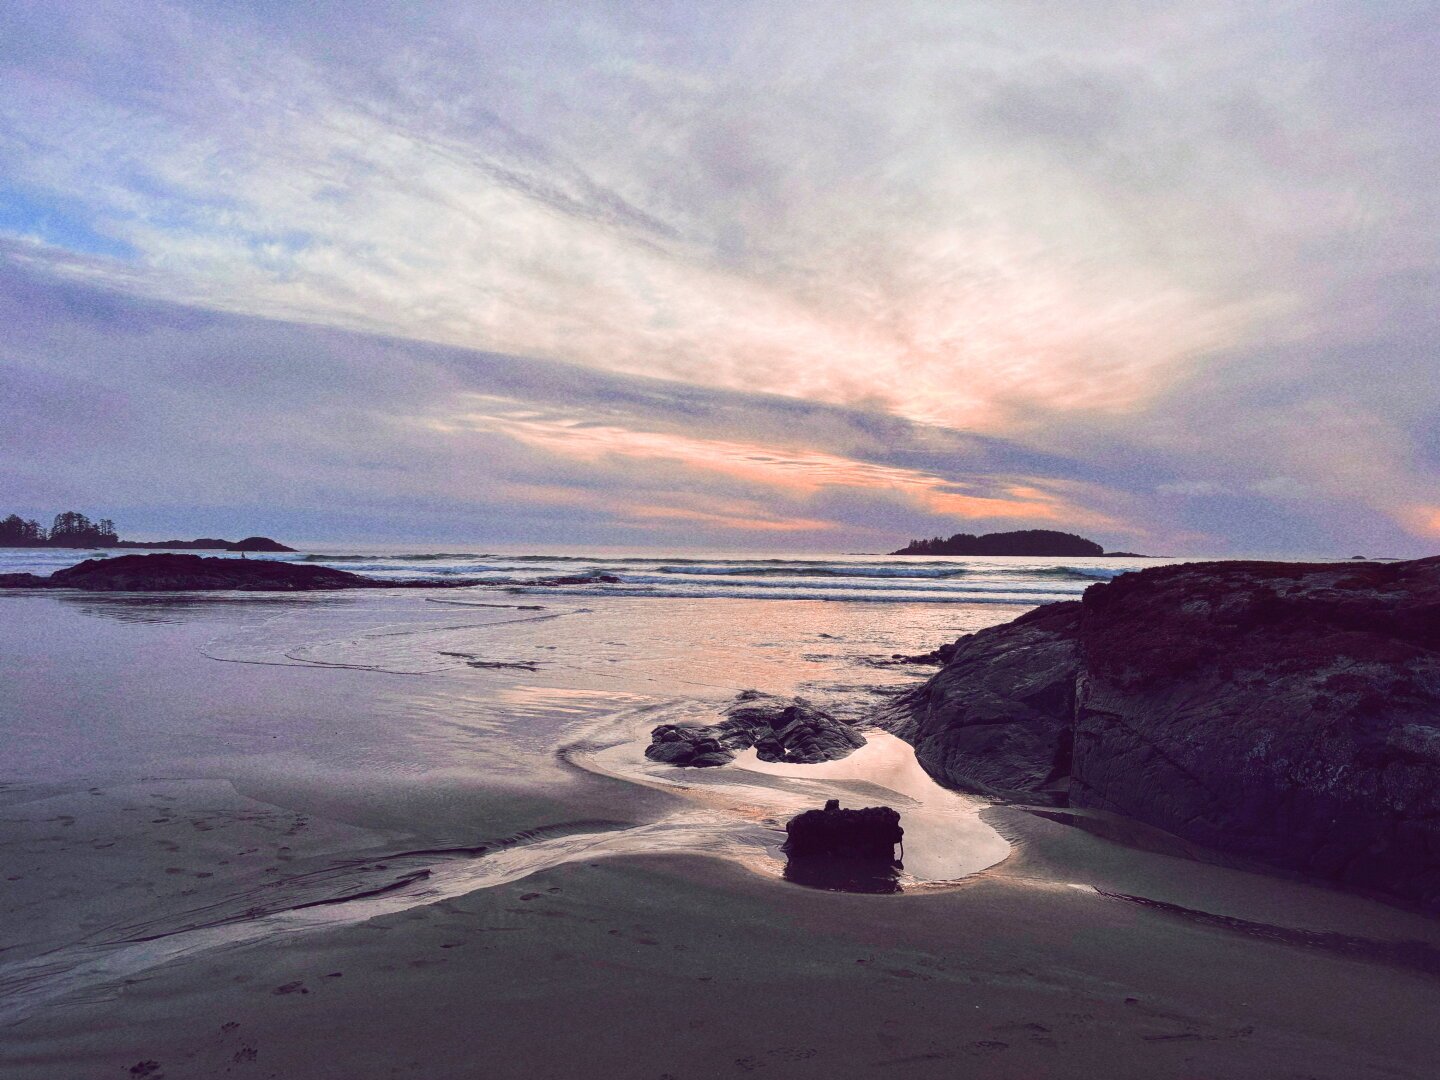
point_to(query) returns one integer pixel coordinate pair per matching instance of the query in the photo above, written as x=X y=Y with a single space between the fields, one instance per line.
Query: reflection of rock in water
x=844 y=875
x=850 y=850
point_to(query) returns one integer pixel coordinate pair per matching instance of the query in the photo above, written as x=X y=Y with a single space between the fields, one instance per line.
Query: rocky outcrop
x=1287 y=712
x=791 y=729
x=934 y=656
x=576 y=579
x=871 y=833
x=998 y=716
x=844 y=850
x=185 y=573
x=780 y=729
x=259 y=543
x=699 y=745
x=206 y=543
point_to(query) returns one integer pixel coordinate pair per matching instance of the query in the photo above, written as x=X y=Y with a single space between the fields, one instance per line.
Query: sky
x=744 y=276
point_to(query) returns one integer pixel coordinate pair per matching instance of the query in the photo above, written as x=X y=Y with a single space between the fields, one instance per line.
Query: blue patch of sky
x=59 y=222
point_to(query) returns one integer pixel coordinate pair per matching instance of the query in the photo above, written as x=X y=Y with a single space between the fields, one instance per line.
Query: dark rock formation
x=204 y=543
x=699 y=745
x=869 y=834
x=1286 y=712
x=793 y=731
x=184 y=573
x=941 y=655
x=577 y=579
x=1042 y=543
x=997 y=718
x=259 y=543
x=844 y=850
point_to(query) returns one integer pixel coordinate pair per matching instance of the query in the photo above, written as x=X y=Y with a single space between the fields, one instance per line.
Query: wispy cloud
x=772 y=469
x=1174 y=264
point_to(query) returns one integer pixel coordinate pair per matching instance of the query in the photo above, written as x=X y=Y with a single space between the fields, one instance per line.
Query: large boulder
x=868 y=834
x=1289 y=712
x=780 y=729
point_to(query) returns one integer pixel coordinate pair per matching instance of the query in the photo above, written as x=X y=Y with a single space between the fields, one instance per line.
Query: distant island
x=75 y=530
x=1038 y=543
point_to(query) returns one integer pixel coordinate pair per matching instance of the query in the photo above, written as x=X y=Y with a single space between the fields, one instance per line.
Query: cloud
x=174 y=416
x=1030 y=261
x=774 y=468
x=886 y=239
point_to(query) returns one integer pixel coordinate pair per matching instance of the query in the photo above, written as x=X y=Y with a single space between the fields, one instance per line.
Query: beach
x=415 y=834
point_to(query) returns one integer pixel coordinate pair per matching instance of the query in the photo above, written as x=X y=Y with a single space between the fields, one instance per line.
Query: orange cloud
x=799 y=473
x=740 y=514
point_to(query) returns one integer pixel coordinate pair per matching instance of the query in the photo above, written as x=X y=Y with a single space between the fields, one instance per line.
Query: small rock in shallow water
x=847 y=850
x=871 y=833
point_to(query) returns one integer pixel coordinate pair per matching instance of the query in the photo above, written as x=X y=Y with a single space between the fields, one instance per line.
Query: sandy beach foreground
x=428 y=845
x=689 y=967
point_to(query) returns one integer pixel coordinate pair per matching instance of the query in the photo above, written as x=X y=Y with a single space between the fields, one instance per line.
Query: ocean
x=658 y=575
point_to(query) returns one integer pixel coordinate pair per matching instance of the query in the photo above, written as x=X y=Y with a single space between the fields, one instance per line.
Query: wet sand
x=692 y=967
x=410 y=887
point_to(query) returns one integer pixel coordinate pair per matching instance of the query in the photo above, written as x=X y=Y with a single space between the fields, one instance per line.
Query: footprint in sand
x=1038 y=1034
x=987 y=1046
x=770 y=1057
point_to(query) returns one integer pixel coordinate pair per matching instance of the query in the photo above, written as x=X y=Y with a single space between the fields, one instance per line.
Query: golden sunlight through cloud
x=793 y=472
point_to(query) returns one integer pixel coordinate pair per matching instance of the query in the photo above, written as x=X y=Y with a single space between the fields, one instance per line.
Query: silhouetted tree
x=16 y=531
x=1044 y=543
x=73 y=529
